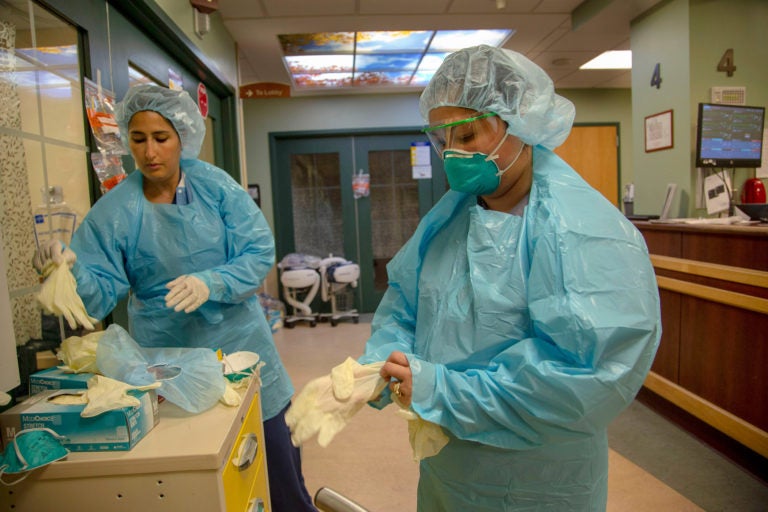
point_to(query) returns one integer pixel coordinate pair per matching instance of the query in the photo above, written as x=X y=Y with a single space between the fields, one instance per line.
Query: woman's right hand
x=398 y=368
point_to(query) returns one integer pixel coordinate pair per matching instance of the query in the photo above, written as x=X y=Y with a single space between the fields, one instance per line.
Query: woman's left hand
x=397 y=367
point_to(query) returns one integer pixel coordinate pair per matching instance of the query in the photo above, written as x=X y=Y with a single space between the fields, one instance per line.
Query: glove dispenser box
x=115 y=430
x=53 y=378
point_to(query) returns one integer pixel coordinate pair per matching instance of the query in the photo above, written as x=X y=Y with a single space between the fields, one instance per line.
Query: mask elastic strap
x=493 y=155
x=522 y=146
x=2 y=473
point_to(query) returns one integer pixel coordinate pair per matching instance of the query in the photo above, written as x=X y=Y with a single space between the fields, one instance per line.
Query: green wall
x=661 y=38
x=715 y=27
x=687 y=38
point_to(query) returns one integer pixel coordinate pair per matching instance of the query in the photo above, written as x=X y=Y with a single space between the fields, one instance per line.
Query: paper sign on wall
x=420 y=160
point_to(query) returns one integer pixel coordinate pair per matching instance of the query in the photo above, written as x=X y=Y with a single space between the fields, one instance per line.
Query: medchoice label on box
x=117 y=430
x=54 y=378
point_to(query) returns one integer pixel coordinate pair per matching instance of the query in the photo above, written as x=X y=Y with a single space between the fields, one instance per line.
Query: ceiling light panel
x=375 y=58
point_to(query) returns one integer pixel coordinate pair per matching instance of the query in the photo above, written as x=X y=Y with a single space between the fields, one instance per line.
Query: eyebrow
x=156 y=132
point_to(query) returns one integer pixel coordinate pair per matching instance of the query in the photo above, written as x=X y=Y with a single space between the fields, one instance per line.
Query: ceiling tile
x=296 y=8
x=404 y=7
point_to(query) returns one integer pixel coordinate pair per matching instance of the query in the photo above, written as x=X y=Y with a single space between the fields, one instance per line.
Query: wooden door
x=594 y=153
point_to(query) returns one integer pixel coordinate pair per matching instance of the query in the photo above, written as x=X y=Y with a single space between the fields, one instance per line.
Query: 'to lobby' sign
x=265 y=90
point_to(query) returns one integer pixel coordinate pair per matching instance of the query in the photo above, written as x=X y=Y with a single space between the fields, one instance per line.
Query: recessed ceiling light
x=617 y=59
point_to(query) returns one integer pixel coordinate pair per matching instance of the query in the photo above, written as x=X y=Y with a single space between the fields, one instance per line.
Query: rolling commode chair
x=300 y=280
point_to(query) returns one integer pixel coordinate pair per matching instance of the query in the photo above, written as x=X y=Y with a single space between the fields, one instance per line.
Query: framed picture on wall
x=255 y=192
x=658 y=131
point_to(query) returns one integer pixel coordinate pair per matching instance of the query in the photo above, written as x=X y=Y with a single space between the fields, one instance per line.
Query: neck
x=161 y=191
x=513 y=193
x=509 y=200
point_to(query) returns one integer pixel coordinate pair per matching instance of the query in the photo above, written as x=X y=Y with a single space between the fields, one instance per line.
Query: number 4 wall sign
x=726 y=64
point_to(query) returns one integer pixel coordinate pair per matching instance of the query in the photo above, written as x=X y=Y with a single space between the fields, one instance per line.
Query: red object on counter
x=753 y=191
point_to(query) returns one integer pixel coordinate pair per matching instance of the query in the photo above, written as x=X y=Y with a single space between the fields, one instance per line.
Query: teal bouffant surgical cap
x=489 y=79
x=176 y=106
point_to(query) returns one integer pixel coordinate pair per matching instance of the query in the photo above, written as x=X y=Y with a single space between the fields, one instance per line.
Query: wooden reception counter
x=713 y=358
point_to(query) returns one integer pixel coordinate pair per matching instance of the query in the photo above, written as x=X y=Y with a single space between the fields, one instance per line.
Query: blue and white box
x=54 y=378
x=116 y=430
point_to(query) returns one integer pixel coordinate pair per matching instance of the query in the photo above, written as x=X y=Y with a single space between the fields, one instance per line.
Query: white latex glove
x=58 y=296
x=187 y=293
x=231 y=397
x=105 y=394
x=53 y=251
x=326 y=404
x=79 y=353
x=426 y=438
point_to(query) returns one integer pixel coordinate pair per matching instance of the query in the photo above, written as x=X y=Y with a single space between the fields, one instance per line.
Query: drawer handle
x=246 y=453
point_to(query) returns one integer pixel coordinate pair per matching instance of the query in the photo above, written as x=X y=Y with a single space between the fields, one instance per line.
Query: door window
x=316 y=195
x=395 y=207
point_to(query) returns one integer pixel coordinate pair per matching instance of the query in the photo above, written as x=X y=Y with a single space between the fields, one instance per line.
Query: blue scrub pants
x=286 y=482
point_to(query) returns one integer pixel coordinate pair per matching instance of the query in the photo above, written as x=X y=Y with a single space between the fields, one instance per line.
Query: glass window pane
x=395 y=199
x=316 y=194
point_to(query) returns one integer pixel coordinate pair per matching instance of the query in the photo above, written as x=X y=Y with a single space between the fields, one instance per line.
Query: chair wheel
x=334 y=323
x=313 y=323
x=355 y=320
x=289 y=325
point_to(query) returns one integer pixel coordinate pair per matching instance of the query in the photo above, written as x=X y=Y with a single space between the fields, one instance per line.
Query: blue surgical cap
x=489 y=79
x=176 y=106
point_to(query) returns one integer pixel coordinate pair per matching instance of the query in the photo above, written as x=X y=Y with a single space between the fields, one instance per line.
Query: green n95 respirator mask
x=30 y=449
x=473 y=172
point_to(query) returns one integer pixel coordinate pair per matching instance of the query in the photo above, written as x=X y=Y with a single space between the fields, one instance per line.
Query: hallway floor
x=654 y=465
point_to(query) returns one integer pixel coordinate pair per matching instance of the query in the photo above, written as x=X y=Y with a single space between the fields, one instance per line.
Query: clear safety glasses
x=475 y=134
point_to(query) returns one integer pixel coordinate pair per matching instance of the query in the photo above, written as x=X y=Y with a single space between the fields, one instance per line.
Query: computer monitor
x=729 y=135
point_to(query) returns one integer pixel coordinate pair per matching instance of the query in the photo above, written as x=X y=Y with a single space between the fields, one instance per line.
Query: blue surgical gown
x=526 y=335
x=128 y=244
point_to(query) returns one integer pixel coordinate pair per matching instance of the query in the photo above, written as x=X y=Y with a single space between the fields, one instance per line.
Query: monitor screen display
x=729 y=135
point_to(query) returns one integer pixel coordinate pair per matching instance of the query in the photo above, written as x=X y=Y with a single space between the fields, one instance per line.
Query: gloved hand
x=326 y=404
x=58 y=296
x=426 y=438
x=187 y=293
x=53 y=251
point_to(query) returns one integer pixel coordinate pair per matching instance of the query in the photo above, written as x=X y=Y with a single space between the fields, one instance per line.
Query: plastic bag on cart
x=196 y=387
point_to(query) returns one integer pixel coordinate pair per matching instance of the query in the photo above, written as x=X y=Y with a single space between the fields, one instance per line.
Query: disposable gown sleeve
x=394 y=324
x=250 y=246
x=99 y=269
x=595 y=328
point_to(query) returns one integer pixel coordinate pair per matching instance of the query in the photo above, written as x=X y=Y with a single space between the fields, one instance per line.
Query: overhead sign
x=265 y=90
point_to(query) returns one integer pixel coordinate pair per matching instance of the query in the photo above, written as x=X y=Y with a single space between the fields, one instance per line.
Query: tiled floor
x=654 y=466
